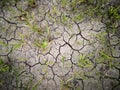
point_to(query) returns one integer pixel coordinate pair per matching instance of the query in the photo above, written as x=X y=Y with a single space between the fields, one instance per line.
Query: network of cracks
x=48 y=49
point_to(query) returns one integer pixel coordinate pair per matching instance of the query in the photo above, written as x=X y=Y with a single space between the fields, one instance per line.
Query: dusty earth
x=49 y=49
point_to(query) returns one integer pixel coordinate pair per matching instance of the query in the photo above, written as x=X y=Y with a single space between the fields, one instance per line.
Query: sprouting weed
x=64 y=3
x=84 y=62
x=64 y=18
x=43 y=45
x=78 y=17
x=113 y=12
x=63 y=60
x=32 y=3
x=106 y=56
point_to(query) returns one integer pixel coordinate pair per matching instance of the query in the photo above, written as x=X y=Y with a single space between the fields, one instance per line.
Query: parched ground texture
x=49 y=48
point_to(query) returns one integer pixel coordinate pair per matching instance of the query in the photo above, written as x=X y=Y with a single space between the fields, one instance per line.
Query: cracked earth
x=51 y=50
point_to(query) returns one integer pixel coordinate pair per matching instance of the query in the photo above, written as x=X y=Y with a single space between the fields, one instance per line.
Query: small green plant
x=64 y=3
x=64 y=19
x=47 y=30
x=37 y=43
x=113 y=12
x=43 y=45
x=7 y=2
x=50 y=62
x=4 y=68
x=63 y=60
x=32 y=3
x=63 y=85
x=2 y=43
x=15 y=72
x=36 y=28
x=26 y=16
x=78 y=17
x=23 y=17
x=35 y=86
x=55 y=10
x=84 y=61
x=101 y=37
x=105 y=56
x=74 y=4
x=17 y=45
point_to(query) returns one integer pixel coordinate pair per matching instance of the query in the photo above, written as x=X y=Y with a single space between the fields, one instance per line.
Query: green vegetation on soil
x=79 y=10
